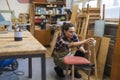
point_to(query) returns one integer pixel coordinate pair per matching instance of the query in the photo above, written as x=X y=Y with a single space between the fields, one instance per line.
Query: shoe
x=59 y=71
x=77 y=75
x=86 y=65
x=0 y=72
x=89 y=65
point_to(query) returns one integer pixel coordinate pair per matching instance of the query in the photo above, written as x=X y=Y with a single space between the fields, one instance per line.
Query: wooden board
x=31 y=12
x=74 y=14
x=115 y=73
x=102 y=55
x=101 y=50
x=53 y=43
x=97 y=46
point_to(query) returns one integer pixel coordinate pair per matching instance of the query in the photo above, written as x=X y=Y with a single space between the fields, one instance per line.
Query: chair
x=80 y=62
x=53 y=43
x=3 y=22
x=81 y=25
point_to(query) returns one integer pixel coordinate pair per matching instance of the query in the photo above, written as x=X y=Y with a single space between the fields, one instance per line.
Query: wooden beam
x=98 y=3
x=115 y=72
x=74 y=14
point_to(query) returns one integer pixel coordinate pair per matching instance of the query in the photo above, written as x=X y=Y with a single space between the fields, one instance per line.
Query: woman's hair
x=66 y=26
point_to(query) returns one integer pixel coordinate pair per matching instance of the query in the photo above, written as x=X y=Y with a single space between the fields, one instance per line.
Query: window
x=83 y=3
x=112 y=8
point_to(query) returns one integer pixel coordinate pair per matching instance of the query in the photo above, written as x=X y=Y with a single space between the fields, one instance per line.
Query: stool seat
x=72 y=60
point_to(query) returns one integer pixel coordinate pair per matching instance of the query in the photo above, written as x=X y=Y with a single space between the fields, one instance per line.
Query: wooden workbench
x=27 y=48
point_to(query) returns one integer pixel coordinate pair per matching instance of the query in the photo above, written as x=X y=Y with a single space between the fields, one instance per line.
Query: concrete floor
x=23 y=71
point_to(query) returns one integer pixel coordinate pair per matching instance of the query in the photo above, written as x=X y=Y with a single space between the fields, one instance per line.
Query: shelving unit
x=52 y=11
x=46 y=13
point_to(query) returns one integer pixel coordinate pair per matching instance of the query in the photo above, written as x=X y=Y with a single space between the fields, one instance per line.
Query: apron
x=59 y=57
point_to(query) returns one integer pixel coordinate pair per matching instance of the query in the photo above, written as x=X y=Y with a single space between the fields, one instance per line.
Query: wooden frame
x=81 y=25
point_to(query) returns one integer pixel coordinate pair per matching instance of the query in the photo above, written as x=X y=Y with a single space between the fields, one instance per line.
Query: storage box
x=39 y=1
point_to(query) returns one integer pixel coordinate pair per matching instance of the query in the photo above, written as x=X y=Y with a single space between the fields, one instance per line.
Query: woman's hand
x=90 y=40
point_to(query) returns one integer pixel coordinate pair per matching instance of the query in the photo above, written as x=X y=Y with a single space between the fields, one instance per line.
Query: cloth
x=62 y=41
x=61 y=50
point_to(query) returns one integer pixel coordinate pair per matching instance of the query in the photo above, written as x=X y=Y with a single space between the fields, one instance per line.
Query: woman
x=66 y=41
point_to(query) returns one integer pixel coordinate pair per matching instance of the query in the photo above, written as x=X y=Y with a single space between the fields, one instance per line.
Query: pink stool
x=74 y=60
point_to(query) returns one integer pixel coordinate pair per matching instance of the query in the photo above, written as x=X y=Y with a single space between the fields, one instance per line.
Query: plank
x=97 y=46
x=91 y=9
x=74 y=14
x=115 y=72
x=102 y=55
x=53 y=43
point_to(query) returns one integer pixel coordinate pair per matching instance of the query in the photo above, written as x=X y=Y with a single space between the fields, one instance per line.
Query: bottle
x=18 y=35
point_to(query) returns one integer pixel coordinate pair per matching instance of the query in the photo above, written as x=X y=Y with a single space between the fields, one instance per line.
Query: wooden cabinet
x=43 y=36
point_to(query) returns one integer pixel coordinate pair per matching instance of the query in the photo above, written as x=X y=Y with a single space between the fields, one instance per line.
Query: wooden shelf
x=45 y=3
x=51 y=11
x=50 y=14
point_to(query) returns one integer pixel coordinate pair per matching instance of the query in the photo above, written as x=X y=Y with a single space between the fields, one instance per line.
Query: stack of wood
x=94 y=14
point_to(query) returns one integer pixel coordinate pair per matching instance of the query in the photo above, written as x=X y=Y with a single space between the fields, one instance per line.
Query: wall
x=19 y=6
x=112 y=12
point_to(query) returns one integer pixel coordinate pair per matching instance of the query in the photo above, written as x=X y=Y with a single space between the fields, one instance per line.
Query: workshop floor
x=22 y=72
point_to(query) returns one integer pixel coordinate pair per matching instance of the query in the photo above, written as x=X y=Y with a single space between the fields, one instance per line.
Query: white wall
x=14 y=5
x=112 y=8
x=112 y=12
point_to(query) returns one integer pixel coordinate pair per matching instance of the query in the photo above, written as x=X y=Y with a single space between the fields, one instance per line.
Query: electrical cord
x=18 y=73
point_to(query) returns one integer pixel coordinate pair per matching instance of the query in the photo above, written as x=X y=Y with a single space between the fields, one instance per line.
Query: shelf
x=52 y=11
x=54 y=3
x=50 y=14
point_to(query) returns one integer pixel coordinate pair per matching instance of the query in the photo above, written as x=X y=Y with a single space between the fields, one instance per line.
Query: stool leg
x=66 y=76
x=72 y=72
x=95 y=69
x=89 y=74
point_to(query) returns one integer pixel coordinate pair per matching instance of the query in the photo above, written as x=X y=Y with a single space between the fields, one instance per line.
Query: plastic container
x=18 y=36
